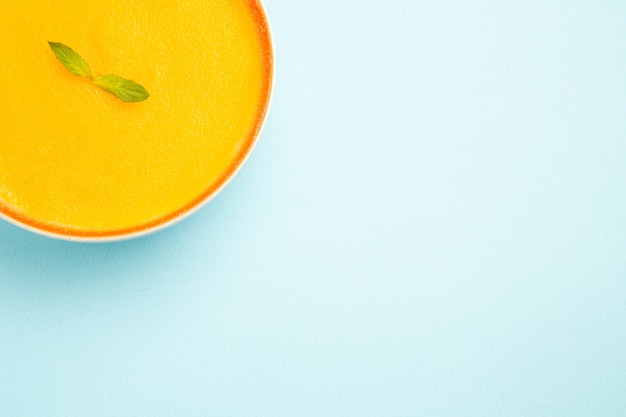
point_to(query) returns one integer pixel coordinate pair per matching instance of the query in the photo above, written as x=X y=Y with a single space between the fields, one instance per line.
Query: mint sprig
x=122 y=88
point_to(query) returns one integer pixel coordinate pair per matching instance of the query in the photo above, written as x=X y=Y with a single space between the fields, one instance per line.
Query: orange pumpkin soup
x=75 y=161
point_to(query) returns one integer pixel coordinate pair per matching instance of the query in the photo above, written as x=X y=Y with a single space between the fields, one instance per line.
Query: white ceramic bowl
x=184 y=213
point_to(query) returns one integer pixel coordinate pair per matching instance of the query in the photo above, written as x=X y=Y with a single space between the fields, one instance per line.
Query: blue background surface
x=432 y=224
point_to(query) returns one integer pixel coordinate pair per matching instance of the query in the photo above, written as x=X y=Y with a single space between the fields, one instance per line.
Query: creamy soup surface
x=77 y=161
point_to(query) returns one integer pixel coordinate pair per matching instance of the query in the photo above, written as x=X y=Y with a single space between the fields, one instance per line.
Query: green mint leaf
x=125 y=90
x=73 y=62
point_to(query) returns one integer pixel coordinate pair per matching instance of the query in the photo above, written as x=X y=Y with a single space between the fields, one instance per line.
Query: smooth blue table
x=433 y=224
